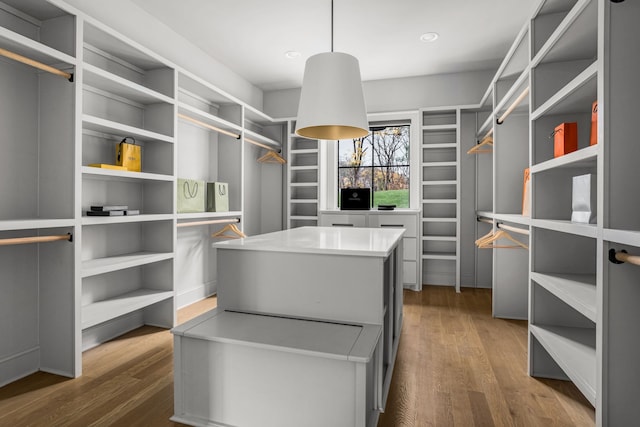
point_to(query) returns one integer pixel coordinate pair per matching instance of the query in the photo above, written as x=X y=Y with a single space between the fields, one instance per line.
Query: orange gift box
x=594 y=123
x=565 y=139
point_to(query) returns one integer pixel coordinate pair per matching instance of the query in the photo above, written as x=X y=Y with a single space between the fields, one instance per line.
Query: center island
x=339 y=277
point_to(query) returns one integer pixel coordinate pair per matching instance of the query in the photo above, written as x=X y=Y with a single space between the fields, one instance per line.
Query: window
x=379 y=161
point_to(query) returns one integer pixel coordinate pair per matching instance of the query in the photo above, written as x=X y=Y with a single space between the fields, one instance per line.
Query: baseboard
x=106 y=331
x=440 y=279
x=196 y=294
x=57 y=372
x=20 y=365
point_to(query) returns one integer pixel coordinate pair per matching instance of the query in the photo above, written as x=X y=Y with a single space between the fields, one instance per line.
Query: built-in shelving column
x=564 y=309
x=37 y=115
x=440 y=197
x=127 y=260
x=263 y=180
x=303 y=190
x=209 y=149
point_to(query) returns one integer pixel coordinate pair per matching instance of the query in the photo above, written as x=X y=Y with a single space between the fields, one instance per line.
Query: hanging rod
x=211 y=221
x=485 y=220
x=208 y=126
x=622 y=257
x=513 y=229
x=225 y=132
x=36 y=64
x=36 y=239
x=513 y=106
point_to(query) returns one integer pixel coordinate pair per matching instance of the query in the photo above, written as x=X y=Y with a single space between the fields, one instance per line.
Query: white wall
x=135 y=23
x=409 y=93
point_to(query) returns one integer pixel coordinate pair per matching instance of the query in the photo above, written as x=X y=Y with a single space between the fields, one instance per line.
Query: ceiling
x=252 y=36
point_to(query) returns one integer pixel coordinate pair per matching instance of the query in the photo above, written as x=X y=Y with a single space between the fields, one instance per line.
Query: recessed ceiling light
x=429 y=37
x=291 y=54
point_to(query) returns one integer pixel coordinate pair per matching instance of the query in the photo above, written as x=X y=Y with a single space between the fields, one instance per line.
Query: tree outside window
x=379 y=161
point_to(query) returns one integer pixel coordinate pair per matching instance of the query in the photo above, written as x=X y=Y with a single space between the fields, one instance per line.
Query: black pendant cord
x=331 y=26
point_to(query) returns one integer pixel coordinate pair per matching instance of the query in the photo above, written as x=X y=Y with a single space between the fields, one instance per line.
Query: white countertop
x=374 y=242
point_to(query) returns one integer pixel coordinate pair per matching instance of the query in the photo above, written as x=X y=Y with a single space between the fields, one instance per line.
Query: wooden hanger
x=486 y=236
x=272 y=157
x=487 y=141
x=488 y=243
x=236 y=233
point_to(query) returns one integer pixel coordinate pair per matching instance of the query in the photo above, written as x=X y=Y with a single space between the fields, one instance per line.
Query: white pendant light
x=332 y=102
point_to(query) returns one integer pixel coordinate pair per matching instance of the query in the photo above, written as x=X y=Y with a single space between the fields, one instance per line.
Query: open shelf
x=586 y=230
x=439 y=255
x=100 y=220
x=114 y=128
x=576 y=290
x=102 y=311
x=584 y=158
x=574 y=351
x=97 y=266
x=205 y=215
x=575 y=38
x=89 y=171
x=35 y=50
x=208 y=119
x=114 y=84
x=34 y=223
x=576 y=96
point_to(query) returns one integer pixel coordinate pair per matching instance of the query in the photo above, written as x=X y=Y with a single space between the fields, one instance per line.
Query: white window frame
x=329 y=161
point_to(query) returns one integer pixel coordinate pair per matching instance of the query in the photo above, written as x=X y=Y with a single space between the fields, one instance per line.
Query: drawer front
x=410 y=249
x=343 y=220
x=408 y=222
x=410 y=272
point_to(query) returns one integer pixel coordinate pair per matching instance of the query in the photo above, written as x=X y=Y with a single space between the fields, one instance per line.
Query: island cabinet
x=344 y=280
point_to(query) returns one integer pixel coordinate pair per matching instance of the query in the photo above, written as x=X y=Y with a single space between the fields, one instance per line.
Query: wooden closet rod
x=513 y=229
x=225 y=132
x=211 y=221
x=485 y=220
x=208 y=126
x=36 y=64
x=622 y=257
x=36 y=239
x=513 y=106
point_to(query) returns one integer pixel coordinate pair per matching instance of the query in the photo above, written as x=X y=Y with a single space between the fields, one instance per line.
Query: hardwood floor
x=456 y=366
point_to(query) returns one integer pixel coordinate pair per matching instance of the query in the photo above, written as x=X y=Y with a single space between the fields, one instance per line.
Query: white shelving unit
x=119 y=272
x=126 y=88
x=564 y=285
x=581 y=308
x=303 y=178
x=37 y=192
x=440 y=196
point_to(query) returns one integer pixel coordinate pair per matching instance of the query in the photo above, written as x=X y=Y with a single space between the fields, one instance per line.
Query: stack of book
x=112 y=210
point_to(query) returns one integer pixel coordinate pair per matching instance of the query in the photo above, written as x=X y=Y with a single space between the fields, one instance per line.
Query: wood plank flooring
x=456 y=366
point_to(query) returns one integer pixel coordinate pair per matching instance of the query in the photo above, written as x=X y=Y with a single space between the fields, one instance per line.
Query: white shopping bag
x=584 y=199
